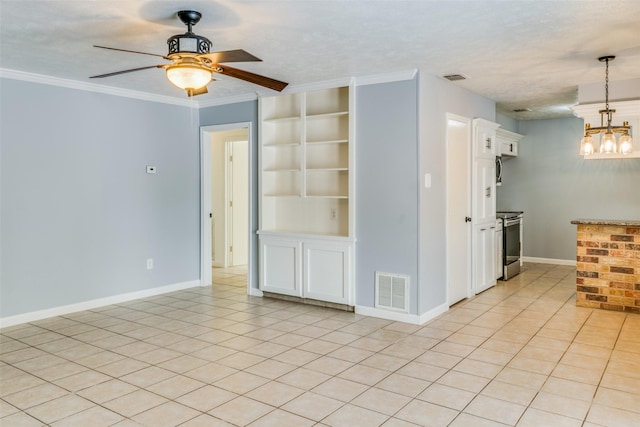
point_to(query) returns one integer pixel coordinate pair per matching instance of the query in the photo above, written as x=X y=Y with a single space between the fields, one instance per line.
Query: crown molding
x=145 y=96
x=623 y=108
x=92 y=87
x=228 y=100
x=386 y=77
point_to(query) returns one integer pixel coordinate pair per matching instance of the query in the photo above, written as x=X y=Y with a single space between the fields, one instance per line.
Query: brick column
x=608 y=266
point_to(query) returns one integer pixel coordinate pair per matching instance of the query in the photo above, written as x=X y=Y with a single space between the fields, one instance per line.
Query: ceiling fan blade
x=115 y=73
x=195 y=92
x=250 y=77
x=237 y=55
x=130 y=51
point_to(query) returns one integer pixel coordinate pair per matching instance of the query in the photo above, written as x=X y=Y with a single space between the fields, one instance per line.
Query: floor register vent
x=392 y=292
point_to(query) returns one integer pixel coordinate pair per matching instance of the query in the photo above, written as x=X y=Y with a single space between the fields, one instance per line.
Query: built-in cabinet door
x=326 y=271
x=280 y=266
x=484 y=139
x=484 y=190
x=509 y=149
x=484 y=260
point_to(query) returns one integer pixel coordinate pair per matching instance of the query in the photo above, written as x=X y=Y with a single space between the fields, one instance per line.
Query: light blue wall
x=552 y=184
x=242 y=112
x=79 y=214
x=507 y=123
x=437 y=98
x=386 y=186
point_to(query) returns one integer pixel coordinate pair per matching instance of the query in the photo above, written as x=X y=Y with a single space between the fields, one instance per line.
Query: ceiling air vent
x=521 y=110
x=455 y=77
x=392 y=292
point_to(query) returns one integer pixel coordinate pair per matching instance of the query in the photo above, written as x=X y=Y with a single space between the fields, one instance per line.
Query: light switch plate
x=427 y=180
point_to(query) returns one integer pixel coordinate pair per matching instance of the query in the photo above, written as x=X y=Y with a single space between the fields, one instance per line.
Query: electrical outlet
x=149 y=263
x=334 y=214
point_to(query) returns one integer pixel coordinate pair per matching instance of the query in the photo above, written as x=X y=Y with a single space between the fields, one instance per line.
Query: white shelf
x=283 y=119
x=335 y=141
x=305 y=158
x=327 y=115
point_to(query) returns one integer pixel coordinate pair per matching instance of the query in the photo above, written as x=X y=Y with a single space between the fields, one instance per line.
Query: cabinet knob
x=488 y=143
x=488 y=192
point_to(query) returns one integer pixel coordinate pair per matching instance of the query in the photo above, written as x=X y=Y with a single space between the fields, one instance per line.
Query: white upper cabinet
x=484 y=139
x=507 y=142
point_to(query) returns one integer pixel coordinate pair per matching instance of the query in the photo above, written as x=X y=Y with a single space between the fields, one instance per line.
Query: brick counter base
x=608 y=267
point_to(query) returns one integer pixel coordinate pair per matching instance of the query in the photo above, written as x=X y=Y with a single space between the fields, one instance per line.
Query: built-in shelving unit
x=307 y=192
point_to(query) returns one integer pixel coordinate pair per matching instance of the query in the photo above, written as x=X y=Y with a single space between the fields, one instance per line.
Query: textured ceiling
x=521 y=53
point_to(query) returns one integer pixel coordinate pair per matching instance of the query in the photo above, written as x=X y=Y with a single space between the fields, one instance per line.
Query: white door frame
x=230 y=195
x=205 y=200
x=450 y=263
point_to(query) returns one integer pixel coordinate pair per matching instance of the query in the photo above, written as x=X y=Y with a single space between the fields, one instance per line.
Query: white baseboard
x=414 y=319
x=255 y=292
x=95 y=303
x=549 y=260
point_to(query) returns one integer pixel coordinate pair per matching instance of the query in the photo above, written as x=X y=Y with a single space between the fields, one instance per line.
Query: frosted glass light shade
x=586 y=146
x=608 y=143
x=626 y=144
x=187 y=76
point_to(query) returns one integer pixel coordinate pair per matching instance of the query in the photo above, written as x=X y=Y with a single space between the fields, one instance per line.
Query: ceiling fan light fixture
x=188 y=76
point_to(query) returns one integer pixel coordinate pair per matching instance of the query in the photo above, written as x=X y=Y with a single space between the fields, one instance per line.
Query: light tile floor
x=519 y=354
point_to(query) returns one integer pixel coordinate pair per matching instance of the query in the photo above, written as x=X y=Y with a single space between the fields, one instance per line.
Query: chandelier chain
x=606 y=84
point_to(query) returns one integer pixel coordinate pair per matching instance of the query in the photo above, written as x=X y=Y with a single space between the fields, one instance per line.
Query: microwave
x=498 y=170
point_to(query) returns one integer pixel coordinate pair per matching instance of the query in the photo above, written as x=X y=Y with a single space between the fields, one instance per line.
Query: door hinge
x=231 y=158
x=231 y=203
x=230 y=248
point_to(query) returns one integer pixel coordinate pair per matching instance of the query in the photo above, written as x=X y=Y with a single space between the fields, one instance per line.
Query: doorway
x=225 y=201
x=458 y=208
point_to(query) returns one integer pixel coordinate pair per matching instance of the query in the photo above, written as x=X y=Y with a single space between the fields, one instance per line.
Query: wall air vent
x=392 y=292
x=455 y=77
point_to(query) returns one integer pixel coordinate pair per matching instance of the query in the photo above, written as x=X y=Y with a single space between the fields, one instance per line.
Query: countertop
x=624 y=222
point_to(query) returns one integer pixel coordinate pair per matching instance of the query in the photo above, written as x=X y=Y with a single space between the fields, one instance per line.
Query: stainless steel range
x=511 y=244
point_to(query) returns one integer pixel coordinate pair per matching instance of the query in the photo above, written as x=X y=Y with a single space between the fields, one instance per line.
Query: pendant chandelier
x=608 y=142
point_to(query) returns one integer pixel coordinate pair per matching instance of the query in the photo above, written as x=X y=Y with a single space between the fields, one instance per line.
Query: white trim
x=255 y=292
x=433 y=313
x=549 y=260
x=146 y=96
x=92 y=87
x=402 y=317
x=95 y=303
x=205 y=200
x=623 y=108
x=308 y=87
x=228 y=100
x=386 y=78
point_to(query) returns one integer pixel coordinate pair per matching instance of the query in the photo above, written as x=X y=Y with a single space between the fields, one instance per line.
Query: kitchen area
x=497 y=234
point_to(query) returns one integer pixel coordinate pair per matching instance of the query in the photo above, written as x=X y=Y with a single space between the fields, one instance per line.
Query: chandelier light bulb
x=626 y=144
x=586 y=146
x=608 y=143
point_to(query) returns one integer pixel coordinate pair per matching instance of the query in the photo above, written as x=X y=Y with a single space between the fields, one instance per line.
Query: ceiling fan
x=192 y=64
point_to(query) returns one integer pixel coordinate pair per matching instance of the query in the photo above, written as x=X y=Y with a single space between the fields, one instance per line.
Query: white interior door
x=238 y=216
x=458 y=208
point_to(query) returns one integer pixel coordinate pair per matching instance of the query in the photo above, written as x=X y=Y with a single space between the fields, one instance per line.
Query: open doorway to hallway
x=225 y=169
